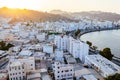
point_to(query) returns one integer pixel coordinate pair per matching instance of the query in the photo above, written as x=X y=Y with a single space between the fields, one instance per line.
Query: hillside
x=24 y=14
x=55 y=15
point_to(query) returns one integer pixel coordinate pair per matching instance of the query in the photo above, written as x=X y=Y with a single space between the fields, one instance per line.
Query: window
x=24 y=78
x=58 y=67
x=10 y=74
x=10 y=62
x=58 y=76
x=57 y=63
x=20 y=78
x=69 y=74
x=19 y=72
x=31 y=64
x=10 y=68
x=15 y=67
x=62 y=71
x=65 y=75
x=22 y=67
x=71 y=70
x=58 y=72
x=66 y=70
x=19 y=67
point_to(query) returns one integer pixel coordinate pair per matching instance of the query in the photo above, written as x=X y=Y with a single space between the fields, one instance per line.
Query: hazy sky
x=66 y=5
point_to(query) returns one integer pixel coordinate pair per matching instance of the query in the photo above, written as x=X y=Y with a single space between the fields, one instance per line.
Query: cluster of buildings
x=75 y=47
x=37 y=55
x=84 y=24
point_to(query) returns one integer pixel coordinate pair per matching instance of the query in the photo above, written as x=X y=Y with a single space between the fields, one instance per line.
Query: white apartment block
x=84 y=51
x=63 y=71
x=75 y=47
x=59 y=55
x=102 y=65
x=61 y=42
x=18 y=68
x=70 y=43
x=78 y=49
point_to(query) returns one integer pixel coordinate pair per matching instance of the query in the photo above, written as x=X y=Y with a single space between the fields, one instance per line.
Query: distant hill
x=54 y=15
x=99 y=15
x=62 y=13
x=58 y=12
x=92 y=14
x=24 y=14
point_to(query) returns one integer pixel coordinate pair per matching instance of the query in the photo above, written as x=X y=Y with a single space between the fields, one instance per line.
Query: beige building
x=18 y=68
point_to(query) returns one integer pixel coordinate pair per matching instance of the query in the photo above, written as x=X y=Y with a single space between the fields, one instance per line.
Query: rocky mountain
x=90 y=14
x=55 y=15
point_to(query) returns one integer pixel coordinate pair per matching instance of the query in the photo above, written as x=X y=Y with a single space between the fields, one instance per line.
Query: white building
x=75 y=47
x=102 y=65
x=25 y=53
x=16 y=48
x=39 y=56
x=51 y=37
x=18 y=68
x=59 y=29
x=59 y=55
x=48 y=48
x=5 y=35
x=1 y=52
x=63 y=71
x=61 y=42
x=78 y=49
x=41 y=36
x=24 y=34
x=84 y=51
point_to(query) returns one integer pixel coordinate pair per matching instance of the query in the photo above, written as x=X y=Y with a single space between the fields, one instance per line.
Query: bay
x=103 y=39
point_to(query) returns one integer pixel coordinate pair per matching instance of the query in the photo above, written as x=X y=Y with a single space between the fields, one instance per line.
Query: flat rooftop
x=89 y=77
x=103 y=64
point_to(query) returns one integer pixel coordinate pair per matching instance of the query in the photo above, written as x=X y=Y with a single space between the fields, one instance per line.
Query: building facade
x=18 y=68
x=63 y=71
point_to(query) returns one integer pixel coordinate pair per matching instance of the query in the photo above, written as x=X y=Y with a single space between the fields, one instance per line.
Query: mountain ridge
x=25 y=14
x=55 y=15
x=92 y=14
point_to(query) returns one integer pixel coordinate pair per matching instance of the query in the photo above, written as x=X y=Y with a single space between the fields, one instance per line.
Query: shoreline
x=98 y=30
x=115 y=59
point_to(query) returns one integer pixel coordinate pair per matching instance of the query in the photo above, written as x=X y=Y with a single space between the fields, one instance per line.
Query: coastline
x=115 y=59
x=96 y=30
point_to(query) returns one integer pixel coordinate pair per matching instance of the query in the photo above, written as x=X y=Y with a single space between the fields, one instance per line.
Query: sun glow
x=65 y=5
x=29 y=4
